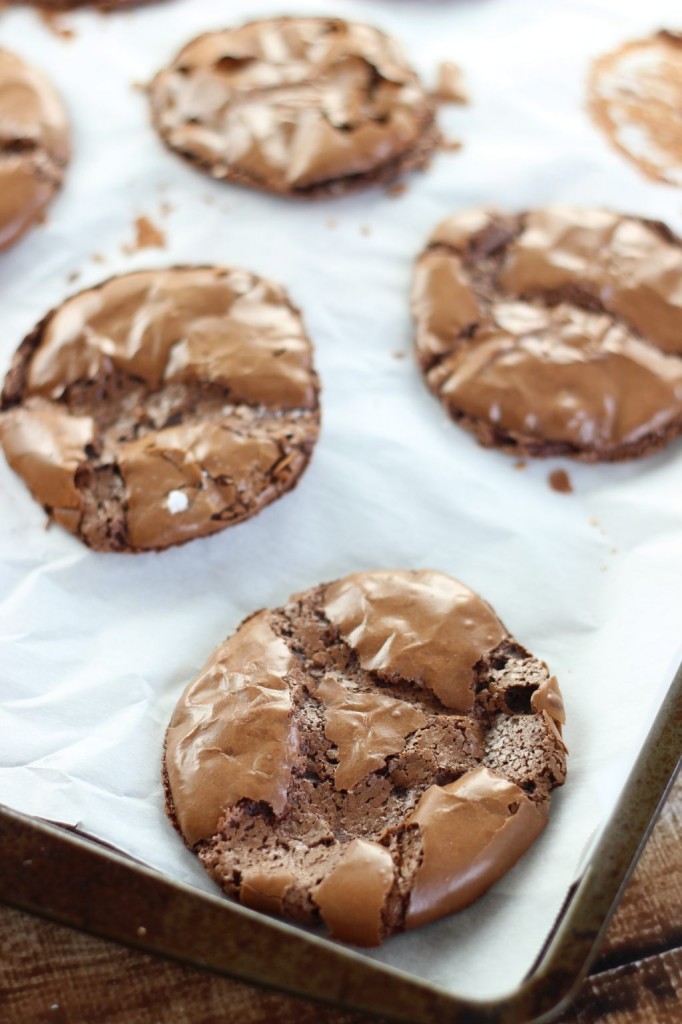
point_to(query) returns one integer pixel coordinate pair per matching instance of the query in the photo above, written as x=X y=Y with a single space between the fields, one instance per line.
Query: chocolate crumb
x=450 y=84
x=147 y=236
x=560 y=481
x=53 y=22
x=398 y=189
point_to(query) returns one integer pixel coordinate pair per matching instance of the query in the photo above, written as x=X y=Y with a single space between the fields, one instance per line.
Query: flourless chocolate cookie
x=635 y=97
x=162 y=405
x=34 y=146
x=306 y=107
x=73 y=5
x=554 y=332
x=374 y=755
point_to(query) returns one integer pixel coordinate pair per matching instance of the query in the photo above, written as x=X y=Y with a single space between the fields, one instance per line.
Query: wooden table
x=52 y=975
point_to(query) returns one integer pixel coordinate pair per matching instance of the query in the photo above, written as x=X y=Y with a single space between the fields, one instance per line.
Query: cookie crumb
x=52 y=21
x=399 y=189
x=140 y=86
x=73 y=276
x=560 y=481
x=449 y=145
x=450 y=84
x=98 y=257
x=147 y=236
x=141 y=931
x=365 y=229
x=398 y=354
x=166 y=208
x=520 y=464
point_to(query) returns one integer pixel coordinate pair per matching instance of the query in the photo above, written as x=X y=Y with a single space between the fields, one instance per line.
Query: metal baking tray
x=63 y=876
x=77 y=882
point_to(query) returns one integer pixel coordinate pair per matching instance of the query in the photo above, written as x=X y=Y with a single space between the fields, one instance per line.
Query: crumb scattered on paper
x=54 y=23
x=398 y=354
x=98 y=257
x=449 y=145
x=450 y=84
x=73 y=276
x=520 y=464
x=365 y=229
x=399 y=189
x=147 y=236
x=560 y=481
x=166 y=208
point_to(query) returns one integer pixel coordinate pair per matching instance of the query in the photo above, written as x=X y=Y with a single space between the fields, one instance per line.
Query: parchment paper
x=96 y=648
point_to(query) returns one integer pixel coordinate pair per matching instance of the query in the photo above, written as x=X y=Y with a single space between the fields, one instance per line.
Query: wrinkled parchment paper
x=96 y=648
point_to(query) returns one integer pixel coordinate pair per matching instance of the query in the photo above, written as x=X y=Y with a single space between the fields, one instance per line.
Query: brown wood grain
x=643 y=992
x=649 y=917
x=52 y=975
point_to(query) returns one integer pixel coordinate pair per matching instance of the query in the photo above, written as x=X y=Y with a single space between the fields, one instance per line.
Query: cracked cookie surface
x=554 y=332
x=307 y=107
x=74 y=5
x=34 y=146
x=373 y=755
x=162 y=406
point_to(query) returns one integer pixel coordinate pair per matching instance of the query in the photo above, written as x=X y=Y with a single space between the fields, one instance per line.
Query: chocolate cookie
x=375 y=754
x=307 y=107
x=34 y=146
x=635 y=97
x=554 y=332
x=162 y=405
x=74 y=5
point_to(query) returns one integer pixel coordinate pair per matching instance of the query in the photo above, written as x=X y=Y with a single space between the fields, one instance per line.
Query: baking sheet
x=96 y=648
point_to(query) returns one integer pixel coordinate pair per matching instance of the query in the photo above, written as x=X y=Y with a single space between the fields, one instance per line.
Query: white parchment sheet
x=96 y=648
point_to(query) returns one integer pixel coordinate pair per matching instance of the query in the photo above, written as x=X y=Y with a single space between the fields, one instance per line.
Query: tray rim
x=40 y=859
